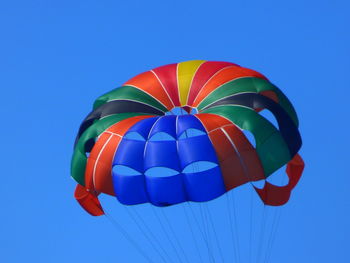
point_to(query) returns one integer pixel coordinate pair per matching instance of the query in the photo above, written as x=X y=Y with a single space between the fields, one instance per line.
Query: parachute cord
x=154 y=246
x=269 y=235
x=154 y=236
x=262 y=230
x=174 y=234
x=273 y=236
x=215 y=234
x=231 y=228
x=204 y=221
x=275 y=224
x=192 y=233
x=201 y=231
x=207 y=229
x=127 y=236
x=166 y=234
x=171 y=229
x=206 y=233
x=251 y=226
x=235 y=226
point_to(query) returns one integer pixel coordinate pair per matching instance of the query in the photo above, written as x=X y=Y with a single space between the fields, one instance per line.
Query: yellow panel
x=185 y=74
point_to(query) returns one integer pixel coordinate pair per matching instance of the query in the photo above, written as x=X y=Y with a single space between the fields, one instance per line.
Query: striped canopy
x=203 y=153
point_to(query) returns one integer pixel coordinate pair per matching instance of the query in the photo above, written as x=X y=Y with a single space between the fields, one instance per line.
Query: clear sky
x=56 y=57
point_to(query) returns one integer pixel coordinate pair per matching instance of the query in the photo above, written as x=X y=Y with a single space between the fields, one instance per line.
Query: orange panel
x=149 y=83
x=97 y=165
x=124 y=125
x=98 y=175
x=224 y=76
x=102 y=140
x=212 y=121
x=102 y=173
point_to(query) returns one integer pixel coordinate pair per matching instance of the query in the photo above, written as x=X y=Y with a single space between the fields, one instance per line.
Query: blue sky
x=58 y=56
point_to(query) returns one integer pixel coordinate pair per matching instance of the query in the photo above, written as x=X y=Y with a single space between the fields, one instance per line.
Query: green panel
x=129 y=93
x=79 y=158
x=249 y=84
x=270 y=146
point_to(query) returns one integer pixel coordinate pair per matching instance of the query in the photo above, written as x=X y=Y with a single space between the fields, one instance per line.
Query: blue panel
x=130 y=153
x=165 y=124
x=163 y=154
x=130 y=189
x=185 y=122
x=165 y=191
x=196 y=149
x=143 y=127
x=204 y=186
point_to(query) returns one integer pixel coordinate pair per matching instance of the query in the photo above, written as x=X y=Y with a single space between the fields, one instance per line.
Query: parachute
x=179 y=133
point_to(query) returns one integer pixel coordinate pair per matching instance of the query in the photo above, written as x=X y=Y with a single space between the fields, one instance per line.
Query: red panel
x=238 y=159
x=149 y=83
x=270 y=94
x=88 y=201
x=254 y=170
x=204 y=73
x=168 y=76
x=224 y=76
x=279 y=195
x=231 y=168
x=187 y=109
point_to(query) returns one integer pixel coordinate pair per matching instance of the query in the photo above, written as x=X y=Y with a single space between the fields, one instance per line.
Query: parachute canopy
x=136 y=146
